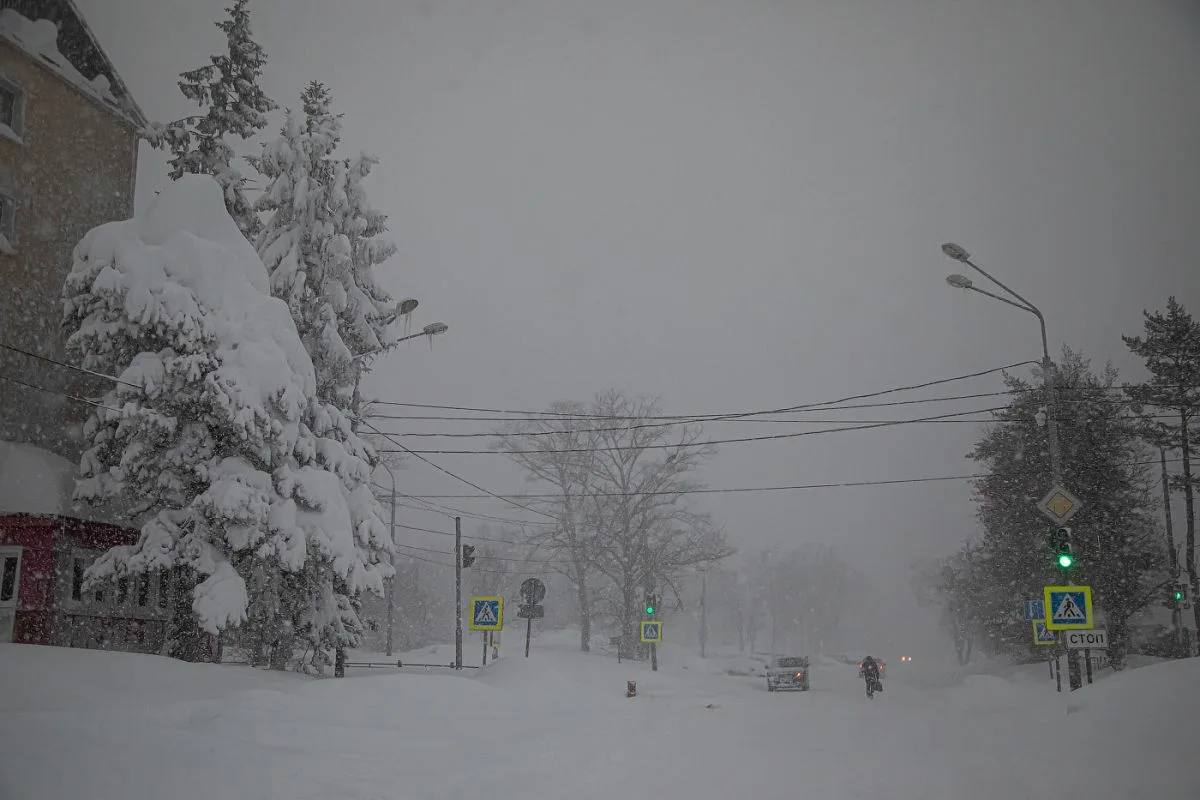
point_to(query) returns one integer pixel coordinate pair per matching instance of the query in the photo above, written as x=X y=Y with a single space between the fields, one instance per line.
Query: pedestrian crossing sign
x=1043 y=635
x=651 y=632
x=487 y=613
x=1068 y=608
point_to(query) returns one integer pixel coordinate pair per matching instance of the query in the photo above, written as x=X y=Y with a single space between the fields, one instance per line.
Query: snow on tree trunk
x=215 y=424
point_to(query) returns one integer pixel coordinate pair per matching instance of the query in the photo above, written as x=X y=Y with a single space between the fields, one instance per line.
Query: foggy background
x=738 y=206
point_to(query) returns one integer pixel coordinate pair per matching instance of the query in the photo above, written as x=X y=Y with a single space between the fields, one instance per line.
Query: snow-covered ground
x=96 y=725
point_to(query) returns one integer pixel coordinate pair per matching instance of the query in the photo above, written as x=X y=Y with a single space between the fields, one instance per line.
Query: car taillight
x=799 y=676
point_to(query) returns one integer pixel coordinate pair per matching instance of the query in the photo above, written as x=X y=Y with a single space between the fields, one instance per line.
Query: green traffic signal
x=1066 y=560
x=1177 y=595
x=649 y=610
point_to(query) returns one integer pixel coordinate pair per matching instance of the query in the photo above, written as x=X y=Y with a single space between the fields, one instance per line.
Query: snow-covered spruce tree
x=1118 y=551
x=215 y=426
x=321 y=243
x=234 y=104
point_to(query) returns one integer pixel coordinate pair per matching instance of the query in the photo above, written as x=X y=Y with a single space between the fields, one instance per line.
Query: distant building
x=68 y=162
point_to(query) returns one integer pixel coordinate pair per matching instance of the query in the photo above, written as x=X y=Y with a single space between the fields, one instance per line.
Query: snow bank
x=135 y=727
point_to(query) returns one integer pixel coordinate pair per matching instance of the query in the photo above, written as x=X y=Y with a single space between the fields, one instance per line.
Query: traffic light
x=468 y=555
x=1064 y=556
x=651 y=605
x=1179 y=595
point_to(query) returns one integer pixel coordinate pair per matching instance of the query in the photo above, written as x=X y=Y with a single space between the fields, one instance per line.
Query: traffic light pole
x=458 y=592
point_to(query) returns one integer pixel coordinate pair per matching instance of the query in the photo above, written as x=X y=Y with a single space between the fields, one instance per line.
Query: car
x=787 y=674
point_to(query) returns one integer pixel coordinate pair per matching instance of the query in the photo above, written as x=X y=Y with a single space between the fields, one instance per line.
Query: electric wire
x=459 y=478
x=68 y=366
x=60 y=394
x=704 y=443
x=792 y=487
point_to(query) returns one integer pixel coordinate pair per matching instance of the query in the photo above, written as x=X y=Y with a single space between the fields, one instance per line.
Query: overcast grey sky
x=739 y=205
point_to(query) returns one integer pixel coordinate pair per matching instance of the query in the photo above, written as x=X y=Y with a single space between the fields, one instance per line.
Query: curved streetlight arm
x=1024 y=304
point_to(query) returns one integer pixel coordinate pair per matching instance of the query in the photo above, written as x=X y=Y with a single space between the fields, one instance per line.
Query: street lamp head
x=434 y=328
x=955 y=252
x=406 y=306
x=959 y=281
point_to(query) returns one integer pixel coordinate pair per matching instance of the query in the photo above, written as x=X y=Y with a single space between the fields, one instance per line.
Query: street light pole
x=1049 y=382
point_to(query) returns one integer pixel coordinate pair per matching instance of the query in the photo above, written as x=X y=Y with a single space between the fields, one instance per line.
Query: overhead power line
x=708 y=442
x=68 y=366
x=704 y=420
x=727 y=415
x=76 y=398
x=487 y=557
x=451 y=566
x=808 y=421
x=450 y=511
x=458 y=478
x=792 y=487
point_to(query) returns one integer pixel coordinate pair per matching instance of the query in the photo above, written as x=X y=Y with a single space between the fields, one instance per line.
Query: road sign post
x=533 y=592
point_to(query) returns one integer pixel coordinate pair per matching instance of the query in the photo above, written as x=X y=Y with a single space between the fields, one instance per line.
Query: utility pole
x=1181 y=631
x=703 y=612
x=458 y=592
x=391 y=586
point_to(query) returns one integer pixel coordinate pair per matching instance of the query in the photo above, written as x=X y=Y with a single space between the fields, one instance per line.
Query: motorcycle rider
x=870 y=672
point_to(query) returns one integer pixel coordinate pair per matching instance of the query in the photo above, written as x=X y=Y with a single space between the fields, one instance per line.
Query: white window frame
x=17 y=125
x=5 y=552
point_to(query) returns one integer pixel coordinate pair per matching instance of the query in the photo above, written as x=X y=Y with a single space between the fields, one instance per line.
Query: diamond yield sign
x=1041 y=634
x=1060 y=505
x=487 y=613
x=651 y=632
x=1068 y=607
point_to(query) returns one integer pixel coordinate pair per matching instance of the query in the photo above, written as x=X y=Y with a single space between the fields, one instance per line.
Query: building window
x=12 y=106
x=77 y=568
x=8 y=576
x=164 y=588
x=8 y=219
x=143 y=589
x=122 y=590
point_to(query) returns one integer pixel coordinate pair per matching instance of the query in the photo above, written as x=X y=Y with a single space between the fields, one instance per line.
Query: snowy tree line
x=240 y=333
x=1113 y=437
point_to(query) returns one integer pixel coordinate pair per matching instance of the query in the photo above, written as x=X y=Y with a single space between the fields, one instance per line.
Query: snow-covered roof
x=36 y=481
x=40 y=38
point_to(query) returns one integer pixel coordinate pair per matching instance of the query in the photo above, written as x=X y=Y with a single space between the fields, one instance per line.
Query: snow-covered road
x=82 y=724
